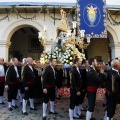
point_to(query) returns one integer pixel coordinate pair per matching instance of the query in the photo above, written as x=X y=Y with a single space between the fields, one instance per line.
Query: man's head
x=87 y=63
x=37 y=61
x=53 y=62
x=29 y=61
x=93 y=62
x=1 y=61
x=114 y=64
x=14 y=61
x=77 y=61
x=24 y=60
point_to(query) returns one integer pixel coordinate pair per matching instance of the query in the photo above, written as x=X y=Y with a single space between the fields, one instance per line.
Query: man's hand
x=78 y=93
x=26 y=88
x=45 y=91
x=6 y=88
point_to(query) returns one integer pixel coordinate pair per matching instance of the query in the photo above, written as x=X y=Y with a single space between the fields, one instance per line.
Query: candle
x=88 y=39
x=74 y=24
x=45 y=28
x=39 y=35
x=82 y=32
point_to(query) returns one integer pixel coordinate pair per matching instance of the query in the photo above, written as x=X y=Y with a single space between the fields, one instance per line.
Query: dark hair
x=51 y=59
x=91 y=60
x=76 y=60
x=13 y=59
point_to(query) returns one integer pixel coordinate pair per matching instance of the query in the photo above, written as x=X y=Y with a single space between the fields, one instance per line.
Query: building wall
x=7 y=29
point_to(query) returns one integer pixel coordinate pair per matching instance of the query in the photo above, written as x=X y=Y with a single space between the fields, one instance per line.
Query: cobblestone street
x=61 y=107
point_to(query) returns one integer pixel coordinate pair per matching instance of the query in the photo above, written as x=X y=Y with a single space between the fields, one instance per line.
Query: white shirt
x=78 y=70
x=16 y=71
x=2 y=71
x=115 y=70
x=54 y=72
x=30 y=67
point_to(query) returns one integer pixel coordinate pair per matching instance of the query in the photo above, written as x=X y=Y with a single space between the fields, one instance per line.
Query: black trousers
x=38 y=92
x=29 y=93
x=82 y=96
x=12 y=92
x=50 y=95
x=2 y=85
x=74 y=99
x=111 y=105
x=21 y=88
x=91 y=100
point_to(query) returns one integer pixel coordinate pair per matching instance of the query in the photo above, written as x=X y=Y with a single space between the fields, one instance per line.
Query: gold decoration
x=63 y=25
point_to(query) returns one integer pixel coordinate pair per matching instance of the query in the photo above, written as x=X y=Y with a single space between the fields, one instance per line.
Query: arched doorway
x=24 y=43
x=104 y=48
x=99 y=48
x=8 y=32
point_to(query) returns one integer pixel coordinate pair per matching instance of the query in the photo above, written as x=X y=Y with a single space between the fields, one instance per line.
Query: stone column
x=115 y=50
x=4 y=47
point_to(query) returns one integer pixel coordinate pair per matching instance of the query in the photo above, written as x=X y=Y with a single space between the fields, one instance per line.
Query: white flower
x=46 y=56
x=66 y=61
x=56 y=48
x=70 y=58
x=71 y=63
x=66 y=56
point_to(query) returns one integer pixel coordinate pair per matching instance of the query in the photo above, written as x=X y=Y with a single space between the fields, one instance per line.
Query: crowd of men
x=33 y=82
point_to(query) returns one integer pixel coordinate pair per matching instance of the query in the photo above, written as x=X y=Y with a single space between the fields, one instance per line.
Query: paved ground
x=61 y=107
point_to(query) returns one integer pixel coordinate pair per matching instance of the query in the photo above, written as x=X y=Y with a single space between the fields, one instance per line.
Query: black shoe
x=2 y=103
x=58 y=98
x=10 y=109
x=24 y=113
x=15 y=106
x=92 y=118
x=77 y=117
x=81 y=116
x=54 y=113
x=35 y=109
x=44 y=118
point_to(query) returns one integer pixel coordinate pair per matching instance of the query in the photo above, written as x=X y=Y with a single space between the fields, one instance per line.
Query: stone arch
x=10 y=30
x=112 y=35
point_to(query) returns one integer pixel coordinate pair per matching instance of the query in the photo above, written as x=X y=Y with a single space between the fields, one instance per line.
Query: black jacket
x=93 y=78
x=5 y=68
x=28 y=76
x=48 y=77
x=11 y=74
x=76 y=80
x=116 y=82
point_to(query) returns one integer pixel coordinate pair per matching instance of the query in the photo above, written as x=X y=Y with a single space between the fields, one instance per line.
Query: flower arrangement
x=67 y=57
x=45 y=57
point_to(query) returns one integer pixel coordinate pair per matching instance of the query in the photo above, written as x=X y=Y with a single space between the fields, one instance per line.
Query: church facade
x=19 y=31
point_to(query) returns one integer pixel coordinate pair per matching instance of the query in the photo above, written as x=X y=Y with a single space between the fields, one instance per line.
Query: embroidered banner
x=92 y=18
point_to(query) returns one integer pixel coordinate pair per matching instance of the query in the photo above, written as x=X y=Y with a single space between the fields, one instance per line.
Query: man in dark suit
x=59 y=79
x=49 y=77
x=3 y=69
x=113 y=90
x=75 y=88
x=28 y=84
x=93 y=81
x=12 y=83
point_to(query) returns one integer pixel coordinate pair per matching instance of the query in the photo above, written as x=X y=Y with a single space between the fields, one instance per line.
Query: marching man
x=3 y=69
x=76 y=81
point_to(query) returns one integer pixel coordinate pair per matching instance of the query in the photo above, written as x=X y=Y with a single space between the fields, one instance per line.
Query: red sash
x=92 y=88
x=2 y=79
